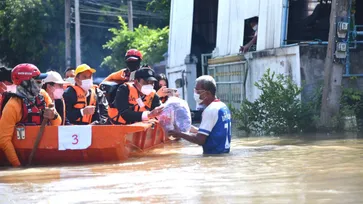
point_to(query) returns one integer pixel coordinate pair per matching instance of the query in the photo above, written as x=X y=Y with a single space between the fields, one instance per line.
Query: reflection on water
x=258 y=170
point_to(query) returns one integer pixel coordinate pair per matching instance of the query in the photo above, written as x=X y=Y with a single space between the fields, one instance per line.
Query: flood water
x=258 y=170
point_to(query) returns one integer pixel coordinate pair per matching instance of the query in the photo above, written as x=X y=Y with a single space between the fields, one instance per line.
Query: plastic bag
x=176 y=115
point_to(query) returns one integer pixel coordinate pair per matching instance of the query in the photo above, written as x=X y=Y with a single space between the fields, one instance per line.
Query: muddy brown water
x=258 y=170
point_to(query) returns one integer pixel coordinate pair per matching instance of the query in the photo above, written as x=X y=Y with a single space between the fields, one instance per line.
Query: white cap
x=54 y=77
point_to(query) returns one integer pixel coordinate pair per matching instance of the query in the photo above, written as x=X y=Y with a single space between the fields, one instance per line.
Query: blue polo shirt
x=216 y=125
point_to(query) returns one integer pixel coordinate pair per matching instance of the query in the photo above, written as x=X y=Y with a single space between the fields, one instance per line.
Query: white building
x=217 y=28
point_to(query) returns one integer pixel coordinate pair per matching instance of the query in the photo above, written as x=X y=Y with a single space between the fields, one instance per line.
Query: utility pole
x=67 y=23
x=130 y=15
x=78 y=33
x=335 y=62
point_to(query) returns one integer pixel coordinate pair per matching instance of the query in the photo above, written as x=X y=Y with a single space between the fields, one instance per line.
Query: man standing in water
x=214 y=132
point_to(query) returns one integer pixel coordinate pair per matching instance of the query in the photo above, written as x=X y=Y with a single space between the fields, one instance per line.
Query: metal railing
x=230 y=79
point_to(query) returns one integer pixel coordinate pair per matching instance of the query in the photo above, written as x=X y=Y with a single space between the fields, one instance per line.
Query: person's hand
x=162 y=92
x=176 y=94
x=89 y=110
x=2 y=87
x=175 y=134
x=49 y=113
x=244 y=49
x=156 y=112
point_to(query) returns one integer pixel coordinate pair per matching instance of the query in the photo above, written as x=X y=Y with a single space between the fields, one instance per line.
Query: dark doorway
x=204 y=33
x=308 y=20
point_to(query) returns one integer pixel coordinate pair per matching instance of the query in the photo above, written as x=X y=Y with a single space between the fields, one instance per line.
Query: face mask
x=11 y=88
x=147 y=89
x=29 y=89
x=254 y=28
x=70 y=80
x=35 y=87
x=87 y=84
x=197 y=98
x=133 y=65
x=58 y=93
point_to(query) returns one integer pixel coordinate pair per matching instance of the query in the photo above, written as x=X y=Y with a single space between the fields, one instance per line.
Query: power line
x=103 y=14
x=95 y=21
x=91 y=25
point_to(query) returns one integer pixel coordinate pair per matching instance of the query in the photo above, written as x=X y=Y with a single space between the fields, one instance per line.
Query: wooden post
x=333 y=71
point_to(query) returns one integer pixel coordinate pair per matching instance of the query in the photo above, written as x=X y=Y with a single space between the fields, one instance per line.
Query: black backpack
x=109 y=89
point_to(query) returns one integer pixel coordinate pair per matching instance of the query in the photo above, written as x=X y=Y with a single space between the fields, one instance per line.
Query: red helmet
x=133 y=55
x=24 y=72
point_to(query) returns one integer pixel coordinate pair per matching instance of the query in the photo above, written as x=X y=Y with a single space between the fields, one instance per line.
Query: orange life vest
x=82 y=103
x=31 y=112
x=113 y=113
x=64 y=112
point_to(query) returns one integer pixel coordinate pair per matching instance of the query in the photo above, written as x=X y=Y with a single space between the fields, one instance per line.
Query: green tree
x=32 y=31
x=162 y=6
x=153 y=43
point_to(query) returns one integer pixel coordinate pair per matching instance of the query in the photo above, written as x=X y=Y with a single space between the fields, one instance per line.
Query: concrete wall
x=187 y=73
x=281 y=61
x=312 y=58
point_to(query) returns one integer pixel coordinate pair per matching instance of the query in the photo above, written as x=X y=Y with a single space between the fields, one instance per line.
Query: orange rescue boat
x=86 y=144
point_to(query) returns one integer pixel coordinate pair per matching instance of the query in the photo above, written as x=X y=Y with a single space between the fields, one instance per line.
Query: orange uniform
x=113 y=113
x=12 y=115
x=119 y=77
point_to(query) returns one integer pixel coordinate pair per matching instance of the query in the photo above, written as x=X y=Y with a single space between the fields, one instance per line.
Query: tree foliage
x=153 y=43
x=162 y=6
x=32 y=31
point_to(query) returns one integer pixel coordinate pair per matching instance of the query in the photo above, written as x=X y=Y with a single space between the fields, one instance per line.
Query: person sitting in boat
x=162 y=88
x=53 y=85
x=214 y=132
x=133 y=58
x=136 y=101
x=28 y=106
x=85 y=103
x=69 y=75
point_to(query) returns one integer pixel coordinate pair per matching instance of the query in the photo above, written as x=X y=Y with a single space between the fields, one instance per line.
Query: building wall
x=180 y=35
x=304 y=63
x=186 y=73
x=281 y=61
x=312 y=58
x=231 y=19
x=180 y=38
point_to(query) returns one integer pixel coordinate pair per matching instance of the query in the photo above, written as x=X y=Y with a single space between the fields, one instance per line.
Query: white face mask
x=254 y=28
x=11 y=88
x=197 y=98
x=58 y=93
x=70 y=80
x=87 y=84
x=147 y=89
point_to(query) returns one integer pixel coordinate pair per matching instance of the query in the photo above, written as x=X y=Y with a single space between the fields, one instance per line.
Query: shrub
x=278 y=110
